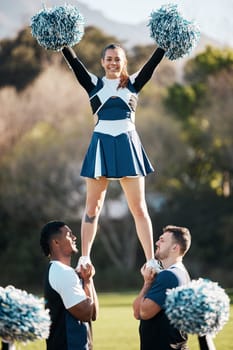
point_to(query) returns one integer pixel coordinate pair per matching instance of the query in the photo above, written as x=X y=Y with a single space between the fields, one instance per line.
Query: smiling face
x=113 y=62
x=67 y=241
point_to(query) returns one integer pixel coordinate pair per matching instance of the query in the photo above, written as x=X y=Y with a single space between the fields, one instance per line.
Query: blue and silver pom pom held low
x=57 y=27
x=201 y=307
x=23 y=317
x=173 y=33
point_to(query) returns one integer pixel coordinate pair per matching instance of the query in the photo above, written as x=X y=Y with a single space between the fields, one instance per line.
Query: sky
x=214 y=17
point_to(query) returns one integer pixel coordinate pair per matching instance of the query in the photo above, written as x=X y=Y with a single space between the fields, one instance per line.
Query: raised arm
x=89 y=287
x=145 y=308
x=76 y=291
x=86 y=79
x=87 y=275
x=147 y=70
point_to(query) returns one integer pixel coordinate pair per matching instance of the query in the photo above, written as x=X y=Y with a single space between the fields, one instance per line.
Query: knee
x=93 y=209
x=140 y=211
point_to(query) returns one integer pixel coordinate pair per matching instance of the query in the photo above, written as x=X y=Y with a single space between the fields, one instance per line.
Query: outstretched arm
x=85 y=78
x=147 y=70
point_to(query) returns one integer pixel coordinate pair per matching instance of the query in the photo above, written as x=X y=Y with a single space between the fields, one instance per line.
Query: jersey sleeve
x=147 y=70
x=65 y=281
x=85 y=78
x=163 y=281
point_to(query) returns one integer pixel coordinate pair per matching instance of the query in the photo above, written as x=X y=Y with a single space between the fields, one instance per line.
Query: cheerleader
x=115 y=150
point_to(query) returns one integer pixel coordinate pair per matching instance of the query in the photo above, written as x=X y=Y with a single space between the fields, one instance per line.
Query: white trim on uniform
x=65 y=281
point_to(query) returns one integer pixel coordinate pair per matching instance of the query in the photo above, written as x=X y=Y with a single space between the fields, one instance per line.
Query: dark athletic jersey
x=157 y=333
x=63 y=289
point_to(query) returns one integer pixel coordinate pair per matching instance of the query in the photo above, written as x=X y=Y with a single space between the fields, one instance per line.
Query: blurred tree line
x=45 y=125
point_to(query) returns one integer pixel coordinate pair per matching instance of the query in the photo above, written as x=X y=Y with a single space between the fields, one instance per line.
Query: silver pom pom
x=176 y=35
x=22 y=316
x=201 y=307
x=57 y=27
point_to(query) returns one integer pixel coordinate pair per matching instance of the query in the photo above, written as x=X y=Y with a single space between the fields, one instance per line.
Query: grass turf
x=117 y=329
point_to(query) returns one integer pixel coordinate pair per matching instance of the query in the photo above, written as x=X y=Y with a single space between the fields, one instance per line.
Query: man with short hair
x=70 y=296
x=156 y=332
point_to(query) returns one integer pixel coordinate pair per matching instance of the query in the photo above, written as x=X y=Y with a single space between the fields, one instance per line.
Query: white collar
x=179 y=265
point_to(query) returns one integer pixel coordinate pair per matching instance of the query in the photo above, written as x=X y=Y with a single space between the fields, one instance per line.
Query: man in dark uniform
x=156 y=332
x=70 y=296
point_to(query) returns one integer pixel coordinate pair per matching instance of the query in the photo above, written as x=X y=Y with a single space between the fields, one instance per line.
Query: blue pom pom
x=176 y=35
x=22 y=316
x=57 y=27
x=200 y=307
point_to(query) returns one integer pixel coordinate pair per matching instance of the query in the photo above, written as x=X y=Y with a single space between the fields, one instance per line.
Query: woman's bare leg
x=96 y=190
x=134 y=189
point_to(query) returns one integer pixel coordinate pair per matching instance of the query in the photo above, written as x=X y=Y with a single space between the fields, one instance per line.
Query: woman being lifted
x=115 y=150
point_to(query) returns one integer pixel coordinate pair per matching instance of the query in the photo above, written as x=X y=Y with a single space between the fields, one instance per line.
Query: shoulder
x=58 y=267
x=59 y=272
x=166 y=279
x=133 y=76
x=65 y=281
x=181 y=273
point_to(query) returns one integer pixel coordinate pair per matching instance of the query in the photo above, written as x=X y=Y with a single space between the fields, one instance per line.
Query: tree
x=209 y=218
x=39 y=182
x=183 y=100
x=204 y=108
x=55 y=97
x=45 y=131
x=207 y=63
x=21 y=60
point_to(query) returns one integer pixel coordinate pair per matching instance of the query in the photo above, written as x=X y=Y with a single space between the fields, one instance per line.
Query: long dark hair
x=124 y=77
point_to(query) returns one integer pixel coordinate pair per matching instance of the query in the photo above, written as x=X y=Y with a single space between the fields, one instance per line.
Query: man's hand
x=148 y=274
x=87 y=272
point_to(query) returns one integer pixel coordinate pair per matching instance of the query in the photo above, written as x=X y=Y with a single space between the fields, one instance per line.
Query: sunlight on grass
x=117 y=329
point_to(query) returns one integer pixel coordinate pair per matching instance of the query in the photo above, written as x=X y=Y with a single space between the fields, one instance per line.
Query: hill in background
x=16 y=15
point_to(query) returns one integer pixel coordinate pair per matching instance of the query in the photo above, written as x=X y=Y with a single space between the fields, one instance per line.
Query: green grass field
x=117 y=329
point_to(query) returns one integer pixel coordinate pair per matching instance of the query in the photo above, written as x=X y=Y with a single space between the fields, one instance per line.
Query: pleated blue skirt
x=116 y=156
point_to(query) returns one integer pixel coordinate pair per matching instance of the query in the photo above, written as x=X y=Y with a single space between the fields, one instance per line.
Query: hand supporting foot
x=83 y=260
x=154 y=264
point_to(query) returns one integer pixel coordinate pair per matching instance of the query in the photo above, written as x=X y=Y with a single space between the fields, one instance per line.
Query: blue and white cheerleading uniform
x=115 y=150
